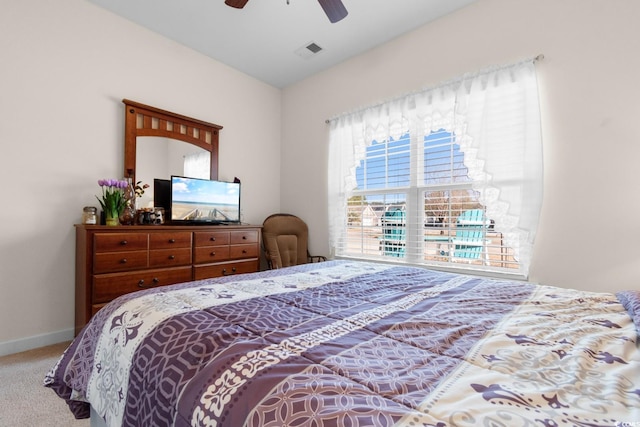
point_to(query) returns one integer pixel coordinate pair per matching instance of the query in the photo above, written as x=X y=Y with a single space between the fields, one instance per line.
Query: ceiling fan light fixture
x=238 y=4
x=334 y=9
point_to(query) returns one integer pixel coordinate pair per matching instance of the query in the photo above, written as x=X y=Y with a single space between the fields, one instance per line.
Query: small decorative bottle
x=128 y=215
x=89 y=215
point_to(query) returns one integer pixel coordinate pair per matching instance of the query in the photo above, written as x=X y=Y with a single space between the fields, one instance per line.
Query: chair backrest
x=285 y=239
x=470 y=234
x=393 y=239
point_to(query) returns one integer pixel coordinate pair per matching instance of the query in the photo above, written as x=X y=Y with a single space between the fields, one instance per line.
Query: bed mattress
x=345 y=343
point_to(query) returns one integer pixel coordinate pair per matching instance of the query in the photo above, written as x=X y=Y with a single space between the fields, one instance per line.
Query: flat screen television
x=204 y=201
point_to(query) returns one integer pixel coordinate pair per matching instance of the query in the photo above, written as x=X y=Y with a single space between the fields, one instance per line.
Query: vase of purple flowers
x=113 y=200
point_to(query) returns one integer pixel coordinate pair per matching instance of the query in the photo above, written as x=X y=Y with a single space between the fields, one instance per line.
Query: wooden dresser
x=113 y=261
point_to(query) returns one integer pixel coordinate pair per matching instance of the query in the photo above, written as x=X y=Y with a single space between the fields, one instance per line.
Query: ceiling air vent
x=308 y=50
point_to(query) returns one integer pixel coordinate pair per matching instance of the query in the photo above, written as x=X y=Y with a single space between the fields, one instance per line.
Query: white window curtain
x=495 y=117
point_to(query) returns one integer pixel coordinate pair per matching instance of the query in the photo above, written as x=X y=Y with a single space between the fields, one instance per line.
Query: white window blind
x=448 y=176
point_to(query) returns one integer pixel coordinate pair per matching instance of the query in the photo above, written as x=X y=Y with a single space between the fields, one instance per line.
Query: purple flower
x=112 y=201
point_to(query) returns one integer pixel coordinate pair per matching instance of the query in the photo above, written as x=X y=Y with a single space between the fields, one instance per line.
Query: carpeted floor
x=24 y=401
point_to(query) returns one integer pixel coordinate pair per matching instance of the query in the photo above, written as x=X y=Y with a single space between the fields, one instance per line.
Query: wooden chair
x=470 y=242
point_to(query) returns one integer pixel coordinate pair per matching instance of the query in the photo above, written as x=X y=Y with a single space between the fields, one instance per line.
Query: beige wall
x=66 y=66
x=588 y=236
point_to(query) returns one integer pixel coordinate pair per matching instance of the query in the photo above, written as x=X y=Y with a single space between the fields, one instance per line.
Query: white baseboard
x=29 y=343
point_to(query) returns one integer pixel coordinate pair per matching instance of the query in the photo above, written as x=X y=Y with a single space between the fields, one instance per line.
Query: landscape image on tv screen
x=204 y=200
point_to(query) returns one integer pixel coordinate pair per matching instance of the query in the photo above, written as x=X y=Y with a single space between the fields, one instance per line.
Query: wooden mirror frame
x=143 y=120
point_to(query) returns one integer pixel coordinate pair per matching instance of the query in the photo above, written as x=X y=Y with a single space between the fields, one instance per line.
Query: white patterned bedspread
x=357 y=344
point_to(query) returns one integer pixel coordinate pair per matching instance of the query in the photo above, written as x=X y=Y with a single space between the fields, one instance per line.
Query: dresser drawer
x=120 y=242
x=112 y=261
x=224 y=269
x=109 y=286
x=119 y=261
x=208 y=254
x=211 y=238
x=243 y=236
x=170 y=257
x=170 y=240
x=243 y=251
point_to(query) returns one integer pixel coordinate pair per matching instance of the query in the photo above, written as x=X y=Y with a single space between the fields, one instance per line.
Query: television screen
x=204 y=201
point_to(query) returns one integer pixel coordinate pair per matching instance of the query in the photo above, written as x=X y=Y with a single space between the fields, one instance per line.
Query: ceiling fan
x=334 y=9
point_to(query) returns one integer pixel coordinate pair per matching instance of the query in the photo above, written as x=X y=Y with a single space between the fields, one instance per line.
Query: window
x=448 y=177
x=377 y=214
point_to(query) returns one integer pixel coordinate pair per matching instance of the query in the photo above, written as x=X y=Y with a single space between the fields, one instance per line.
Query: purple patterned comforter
x=355 y=344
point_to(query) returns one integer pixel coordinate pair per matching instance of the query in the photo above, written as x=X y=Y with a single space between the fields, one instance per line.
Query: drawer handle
x=123 y=261
x=142 y=285
x=244 y=251
x=172 y=257
x=172 y=240
x=213 y=254
x=213 y=239
x=225 y=273
x=124 y=242
x=244 y=237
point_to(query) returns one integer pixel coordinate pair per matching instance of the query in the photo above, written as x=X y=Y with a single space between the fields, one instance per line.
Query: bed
x=344 y=343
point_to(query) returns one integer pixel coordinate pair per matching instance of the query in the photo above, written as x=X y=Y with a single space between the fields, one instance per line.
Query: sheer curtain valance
x=494 y=117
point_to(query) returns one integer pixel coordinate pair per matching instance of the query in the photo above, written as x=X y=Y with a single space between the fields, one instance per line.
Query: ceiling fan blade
x=238 y=4
x=334 y=9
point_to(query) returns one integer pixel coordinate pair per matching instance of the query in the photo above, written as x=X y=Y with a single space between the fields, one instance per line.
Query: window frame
x=416 y=243
x=495 y=113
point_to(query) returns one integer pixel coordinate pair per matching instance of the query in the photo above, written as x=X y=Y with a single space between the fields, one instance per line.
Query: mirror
x=158 y=157
x=160 y=143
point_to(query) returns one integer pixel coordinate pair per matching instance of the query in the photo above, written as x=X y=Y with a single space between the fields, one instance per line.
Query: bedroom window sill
x=459 y=268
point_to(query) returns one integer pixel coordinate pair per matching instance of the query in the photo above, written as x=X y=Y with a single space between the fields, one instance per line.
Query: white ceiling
x=261 y=39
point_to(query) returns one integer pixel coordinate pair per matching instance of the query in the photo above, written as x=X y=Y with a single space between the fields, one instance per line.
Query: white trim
x=448 y=267
x=37 y=341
